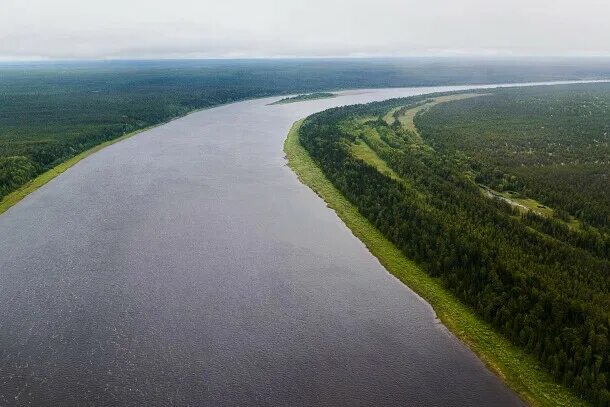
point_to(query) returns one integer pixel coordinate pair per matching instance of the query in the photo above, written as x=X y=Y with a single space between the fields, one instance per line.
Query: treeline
x=541 y=285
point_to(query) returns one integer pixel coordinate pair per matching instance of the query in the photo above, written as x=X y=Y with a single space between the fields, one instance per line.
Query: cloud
x=239 y=28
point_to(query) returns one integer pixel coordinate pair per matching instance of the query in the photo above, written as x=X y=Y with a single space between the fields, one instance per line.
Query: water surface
x=188 y=266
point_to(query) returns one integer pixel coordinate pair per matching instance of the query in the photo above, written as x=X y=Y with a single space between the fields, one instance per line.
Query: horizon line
x=4 y=59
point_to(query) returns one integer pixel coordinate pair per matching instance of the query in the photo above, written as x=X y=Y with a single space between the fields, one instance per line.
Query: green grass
x=530 y=204
x=362 y=151
x=389 y=116
x=517 y=369
x=524 y=204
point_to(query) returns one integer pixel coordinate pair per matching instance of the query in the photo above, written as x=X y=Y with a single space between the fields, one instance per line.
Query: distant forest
x=50 y=112
x=504 y=198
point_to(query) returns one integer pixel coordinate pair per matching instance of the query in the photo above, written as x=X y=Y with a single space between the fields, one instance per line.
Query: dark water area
x=187 y=265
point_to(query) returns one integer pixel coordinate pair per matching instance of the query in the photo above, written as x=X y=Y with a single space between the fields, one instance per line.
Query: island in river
x=304 y=97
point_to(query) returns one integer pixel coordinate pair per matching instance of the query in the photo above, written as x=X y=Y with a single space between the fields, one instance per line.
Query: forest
x=501 y=196
x=551 y=145
x=52 y=111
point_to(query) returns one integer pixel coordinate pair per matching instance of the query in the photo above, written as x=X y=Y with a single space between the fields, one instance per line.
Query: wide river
x=187 y=265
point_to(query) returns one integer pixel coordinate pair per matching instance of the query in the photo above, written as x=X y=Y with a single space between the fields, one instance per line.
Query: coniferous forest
x=503 y=196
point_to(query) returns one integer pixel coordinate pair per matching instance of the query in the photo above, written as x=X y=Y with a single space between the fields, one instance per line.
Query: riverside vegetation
x=51 y=112
x=502 y=199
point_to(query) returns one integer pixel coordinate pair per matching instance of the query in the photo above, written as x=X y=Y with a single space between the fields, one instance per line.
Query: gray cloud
x=241 y=28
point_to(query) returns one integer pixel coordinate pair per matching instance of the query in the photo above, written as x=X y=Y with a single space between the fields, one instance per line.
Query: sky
x=131 y=29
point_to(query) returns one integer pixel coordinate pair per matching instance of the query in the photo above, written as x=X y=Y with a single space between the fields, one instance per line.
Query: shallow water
x=188 y=265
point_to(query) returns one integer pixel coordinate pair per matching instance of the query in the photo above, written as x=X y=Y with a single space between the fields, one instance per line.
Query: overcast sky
x=275 y=28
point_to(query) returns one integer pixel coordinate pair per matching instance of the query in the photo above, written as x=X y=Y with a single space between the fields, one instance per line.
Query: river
x=187 y=265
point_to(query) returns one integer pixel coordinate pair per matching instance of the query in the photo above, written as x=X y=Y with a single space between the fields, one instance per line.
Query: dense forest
x=553 y=146
x=443 y=178
x=51 y=111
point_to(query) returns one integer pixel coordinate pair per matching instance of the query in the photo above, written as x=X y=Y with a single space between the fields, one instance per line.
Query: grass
x=530 y=204
x=389 y=116
x=520 y=371
x=525 y=204
x=362 y=151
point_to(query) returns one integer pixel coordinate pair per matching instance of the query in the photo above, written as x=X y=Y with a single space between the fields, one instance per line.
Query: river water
x=188 y=266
